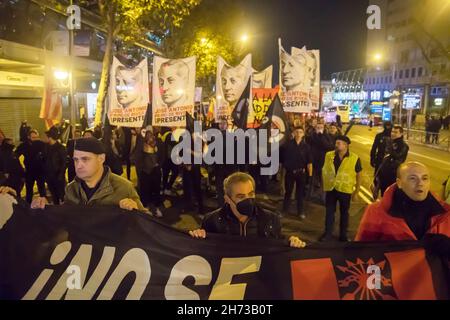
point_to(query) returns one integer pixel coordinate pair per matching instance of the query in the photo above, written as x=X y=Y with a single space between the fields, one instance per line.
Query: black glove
x=438 y=244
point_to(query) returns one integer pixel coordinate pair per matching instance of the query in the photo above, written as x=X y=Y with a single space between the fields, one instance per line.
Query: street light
x=378 y=56
x=61 y=75
x=244 y=37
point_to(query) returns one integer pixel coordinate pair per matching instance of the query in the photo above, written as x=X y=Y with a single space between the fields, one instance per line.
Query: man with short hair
x=33 y=151
x=241 y=215
x=378 y=150
x=409 y=211
x=94 y=183
x=396 y=153
x=341 y=174
x=55 y=165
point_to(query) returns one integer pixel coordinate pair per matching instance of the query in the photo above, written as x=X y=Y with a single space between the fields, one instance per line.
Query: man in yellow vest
x=341 y=174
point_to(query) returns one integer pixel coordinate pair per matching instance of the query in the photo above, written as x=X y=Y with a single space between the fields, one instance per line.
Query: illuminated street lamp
x=244 y=37
x=61 y=75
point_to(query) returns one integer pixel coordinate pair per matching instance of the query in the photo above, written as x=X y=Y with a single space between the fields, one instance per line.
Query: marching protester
x=299 y=169
x=88 y=134
x=341 y=175
x=95 y=184
x=10 y=166
x=378 y=150
x=24 y=130
x=169 y=169
x=320 y=142
x=192 y=181
x=222 y=171
x=396 y=153
x=70 y=147
x=149 y=156
x=33 y=151
x=113 y=151
x=333 y=132
x=409 y=211
x=241 y=215
x=55 y=166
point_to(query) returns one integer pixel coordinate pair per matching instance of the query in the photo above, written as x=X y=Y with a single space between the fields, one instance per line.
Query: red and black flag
x=276 y=121
x=240 y=112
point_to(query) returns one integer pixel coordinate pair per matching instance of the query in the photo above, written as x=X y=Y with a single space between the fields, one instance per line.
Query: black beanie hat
x=89 y=145
x=343 y=138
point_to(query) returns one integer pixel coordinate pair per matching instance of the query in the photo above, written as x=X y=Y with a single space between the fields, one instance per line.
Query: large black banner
x=107 y=253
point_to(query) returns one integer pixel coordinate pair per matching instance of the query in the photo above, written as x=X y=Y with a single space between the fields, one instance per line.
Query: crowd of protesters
x=316 y=162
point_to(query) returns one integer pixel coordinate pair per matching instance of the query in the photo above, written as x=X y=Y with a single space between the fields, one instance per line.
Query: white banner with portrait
x=300 y=80
x=128 y=94
x=262 y=79
x=173 y=91
x=230 y=83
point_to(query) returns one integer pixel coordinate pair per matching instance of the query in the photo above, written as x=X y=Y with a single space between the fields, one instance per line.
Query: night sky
x=336 y=27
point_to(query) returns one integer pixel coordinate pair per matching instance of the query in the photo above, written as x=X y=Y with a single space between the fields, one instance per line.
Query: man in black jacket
x=33 y=151
x=241 y=216
x=320 y=142
x=55 y=166
x=396 y=153
x=11 y=167
x=378 y=150
x=298 y=164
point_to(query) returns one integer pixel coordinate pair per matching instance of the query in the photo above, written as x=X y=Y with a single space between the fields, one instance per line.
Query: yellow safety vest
x=345 y=179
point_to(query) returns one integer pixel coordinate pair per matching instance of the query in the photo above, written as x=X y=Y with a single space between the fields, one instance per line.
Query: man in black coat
x=320 y=142
x=396 y=153
x=378 y=150
x=55 y=166
x=33 y=151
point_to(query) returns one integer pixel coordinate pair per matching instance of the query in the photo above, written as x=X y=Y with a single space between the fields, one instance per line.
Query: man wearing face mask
x=241 y=215
x=409 y=211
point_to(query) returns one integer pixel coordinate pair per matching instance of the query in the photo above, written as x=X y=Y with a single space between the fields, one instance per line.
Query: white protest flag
x=128 y=94
x=230 y=83
x=173 y=91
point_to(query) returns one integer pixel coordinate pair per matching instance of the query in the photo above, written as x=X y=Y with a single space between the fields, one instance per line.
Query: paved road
x=436 y=160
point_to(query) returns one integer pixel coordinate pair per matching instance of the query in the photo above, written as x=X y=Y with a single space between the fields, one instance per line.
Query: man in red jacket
x=408 y=211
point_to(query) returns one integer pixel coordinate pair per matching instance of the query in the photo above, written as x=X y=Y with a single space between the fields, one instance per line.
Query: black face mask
x=246 y=207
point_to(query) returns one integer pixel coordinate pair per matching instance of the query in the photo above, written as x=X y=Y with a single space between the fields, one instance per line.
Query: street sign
x=412 y=101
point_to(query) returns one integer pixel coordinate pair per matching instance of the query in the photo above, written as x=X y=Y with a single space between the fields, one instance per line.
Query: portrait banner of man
x=230 y=83
x=128 y=94
x=173 y=91
x=262 y=79
x=300 y=79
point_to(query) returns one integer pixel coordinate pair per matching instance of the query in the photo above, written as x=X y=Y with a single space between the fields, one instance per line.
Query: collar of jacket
x=388 y=204
x=105 y=188
x=336 y=154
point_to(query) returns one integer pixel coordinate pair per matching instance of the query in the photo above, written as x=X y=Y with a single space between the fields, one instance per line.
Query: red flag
x=51 y=106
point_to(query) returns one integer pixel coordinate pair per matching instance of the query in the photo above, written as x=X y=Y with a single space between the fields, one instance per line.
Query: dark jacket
x=10 y=165
x=320 y=144
x=296 y=156
x=34 y=156
x=262 y=223
x=378 y=150
x=55 y=161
